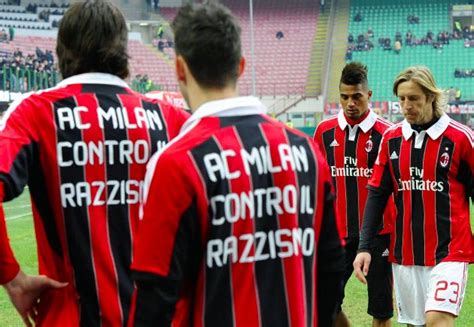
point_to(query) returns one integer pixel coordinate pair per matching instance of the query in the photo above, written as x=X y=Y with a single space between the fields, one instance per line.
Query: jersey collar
x=238 y=106
x=94 y=78
x=364 y=125
x=434 y=131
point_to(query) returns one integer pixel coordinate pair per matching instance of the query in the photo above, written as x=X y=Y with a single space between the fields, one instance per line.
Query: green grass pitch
x=20 y=228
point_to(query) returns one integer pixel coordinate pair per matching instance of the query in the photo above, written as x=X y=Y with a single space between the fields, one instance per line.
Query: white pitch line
x=18 y=216
x=17 y=207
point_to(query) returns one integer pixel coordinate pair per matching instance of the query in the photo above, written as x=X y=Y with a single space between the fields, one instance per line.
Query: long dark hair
x=93 y=37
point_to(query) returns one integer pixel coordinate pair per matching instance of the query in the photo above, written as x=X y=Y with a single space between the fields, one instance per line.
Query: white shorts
x=421 y=289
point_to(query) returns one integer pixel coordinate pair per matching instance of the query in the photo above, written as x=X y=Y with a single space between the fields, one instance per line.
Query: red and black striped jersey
x=431 y=175
x=239 y=213
x=351 y=152
x=82 y=149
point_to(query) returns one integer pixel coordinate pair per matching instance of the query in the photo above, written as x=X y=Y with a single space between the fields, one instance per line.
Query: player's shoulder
x=173 y=112
x=171 y=156
x=30 y=103
x=329 y=122
x=192 y=135
x=162 y=104
x=47 y=95
x=381 y=124
x=394 y=130
x=461 y=131
x=294 y=132
x=326 y=124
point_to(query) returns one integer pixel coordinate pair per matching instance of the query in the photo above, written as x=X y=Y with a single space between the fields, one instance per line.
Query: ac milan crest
x=369 y=145
x=444 y=159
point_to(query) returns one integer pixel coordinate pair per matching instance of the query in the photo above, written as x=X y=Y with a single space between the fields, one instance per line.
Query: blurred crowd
x=21 y=72
x=162 y=40
x=143 y=84
x=453 y=94
x=44 y=11
x=461 y=73
x=53 y=8
x=363 y=42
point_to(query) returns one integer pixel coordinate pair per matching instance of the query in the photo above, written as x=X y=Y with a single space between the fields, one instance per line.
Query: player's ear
x=180 y=66
x=241 y=66
x=369 y=94
x=430 y=98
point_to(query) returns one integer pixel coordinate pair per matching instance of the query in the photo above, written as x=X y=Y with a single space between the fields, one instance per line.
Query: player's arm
x=9 y=267
x=331 y=254
x=166 y=249
x=16 y=155
x=373 y=214
x=466 y=169
x=465 y=173
x=331 y=258
x=380 y=188
x=466 y=177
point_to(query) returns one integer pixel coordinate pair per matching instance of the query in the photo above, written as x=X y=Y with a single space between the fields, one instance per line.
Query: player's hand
x=25 y=291
x=361 y=266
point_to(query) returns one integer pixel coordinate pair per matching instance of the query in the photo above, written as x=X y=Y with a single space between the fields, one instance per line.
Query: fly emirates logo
x=350 y=169
x=417 y=183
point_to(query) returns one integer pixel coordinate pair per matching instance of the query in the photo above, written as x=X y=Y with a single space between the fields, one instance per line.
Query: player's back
x=257 y=182
x=82 y=149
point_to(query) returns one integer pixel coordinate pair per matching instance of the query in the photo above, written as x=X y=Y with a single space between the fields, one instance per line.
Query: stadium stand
x=28 y=64
x=12 y=8
x=145 y=60
x=25 y=25
x=385 y=18
x=32 y=16
x=28 y=44
x=281 y=63
x=286 y=34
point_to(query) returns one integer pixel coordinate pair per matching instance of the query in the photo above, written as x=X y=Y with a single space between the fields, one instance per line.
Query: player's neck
x=353 y=122
x=424 y=126
x=202 y=96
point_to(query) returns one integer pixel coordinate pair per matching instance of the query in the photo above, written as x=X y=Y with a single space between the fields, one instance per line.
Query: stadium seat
x=385 y=19
x=281 y=65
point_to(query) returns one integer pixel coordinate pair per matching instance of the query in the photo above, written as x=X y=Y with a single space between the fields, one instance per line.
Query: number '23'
x=442 y=286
